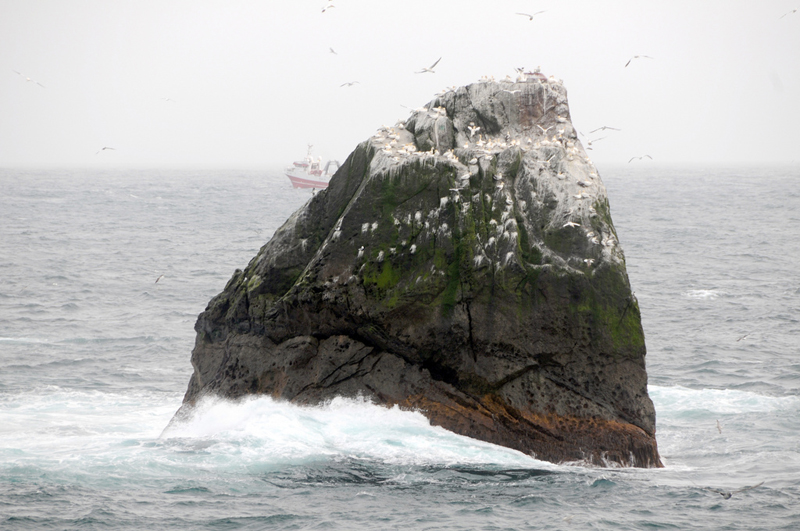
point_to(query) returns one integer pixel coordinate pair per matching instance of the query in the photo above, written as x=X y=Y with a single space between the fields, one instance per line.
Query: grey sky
x=250 y=83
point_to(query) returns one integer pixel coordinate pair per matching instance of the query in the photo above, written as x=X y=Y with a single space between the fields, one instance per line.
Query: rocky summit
x=463 y=264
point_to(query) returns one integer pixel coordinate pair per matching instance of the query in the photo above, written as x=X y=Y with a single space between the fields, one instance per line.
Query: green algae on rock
x=462 y=263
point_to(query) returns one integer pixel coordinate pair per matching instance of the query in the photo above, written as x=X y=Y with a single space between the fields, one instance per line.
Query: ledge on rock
x=462 y=263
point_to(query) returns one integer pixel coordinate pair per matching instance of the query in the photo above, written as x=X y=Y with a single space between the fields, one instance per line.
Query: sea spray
x=681 y=401
x=270 y=430
x=111 y=439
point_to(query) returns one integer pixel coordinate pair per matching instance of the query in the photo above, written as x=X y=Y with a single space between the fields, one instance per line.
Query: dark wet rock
x=462 y=263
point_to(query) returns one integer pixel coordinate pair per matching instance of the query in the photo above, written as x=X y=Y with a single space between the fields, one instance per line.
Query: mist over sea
x=95 y=359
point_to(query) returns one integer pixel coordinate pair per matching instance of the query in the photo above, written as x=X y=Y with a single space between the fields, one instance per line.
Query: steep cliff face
x=462 y=263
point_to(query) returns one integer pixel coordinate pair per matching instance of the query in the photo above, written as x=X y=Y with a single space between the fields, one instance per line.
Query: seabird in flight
x=530 y=17
x=640 y=158
x=429 y=68
x=789 y=13
x=590 y=142
x=728 y=493
x=105 y=148
x=348 y=84
x=637 y=57
x=29 y=79
x=603 y=129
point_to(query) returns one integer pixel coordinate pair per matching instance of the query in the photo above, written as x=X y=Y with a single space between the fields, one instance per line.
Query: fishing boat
x=309 y=172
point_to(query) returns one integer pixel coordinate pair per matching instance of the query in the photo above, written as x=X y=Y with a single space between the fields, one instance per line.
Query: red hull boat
x=309 y=173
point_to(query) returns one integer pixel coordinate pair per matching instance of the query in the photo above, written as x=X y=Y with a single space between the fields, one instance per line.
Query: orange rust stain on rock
x=543 y=435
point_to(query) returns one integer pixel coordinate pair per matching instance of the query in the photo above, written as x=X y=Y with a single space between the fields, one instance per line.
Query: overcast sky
x=250 y=83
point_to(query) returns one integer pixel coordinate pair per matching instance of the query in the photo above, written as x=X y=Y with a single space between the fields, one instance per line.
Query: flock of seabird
x=521 y=76
x=557 y=143
x=430 y=69
x=389 y=139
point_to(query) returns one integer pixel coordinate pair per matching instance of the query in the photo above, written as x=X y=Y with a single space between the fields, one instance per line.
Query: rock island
x=462 y=263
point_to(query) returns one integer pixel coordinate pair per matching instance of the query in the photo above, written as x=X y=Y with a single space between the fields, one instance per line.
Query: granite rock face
x=462 y=263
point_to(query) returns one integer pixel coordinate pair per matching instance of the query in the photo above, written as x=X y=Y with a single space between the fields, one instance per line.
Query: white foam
x=343 y=428
x=680 y=400
x=701 y=294
x=112 y=438
x=43 y=416
x=23 y=340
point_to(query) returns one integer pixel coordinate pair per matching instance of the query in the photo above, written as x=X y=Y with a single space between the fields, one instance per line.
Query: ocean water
x=94 y=361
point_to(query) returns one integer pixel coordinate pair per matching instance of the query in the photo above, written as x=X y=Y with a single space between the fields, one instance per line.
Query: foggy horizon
x=207 y=84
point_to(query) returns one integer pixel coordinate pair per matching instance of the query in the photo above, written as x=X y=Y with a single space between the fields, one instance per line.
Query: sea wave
x=702 y=294
x=681 y=400
x=66 y=433
x=23 y=340
x=341 y=428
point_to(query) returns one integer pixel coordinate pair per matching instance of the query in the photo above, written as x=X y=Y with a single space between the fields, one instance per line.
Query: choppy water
x=94 y=360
